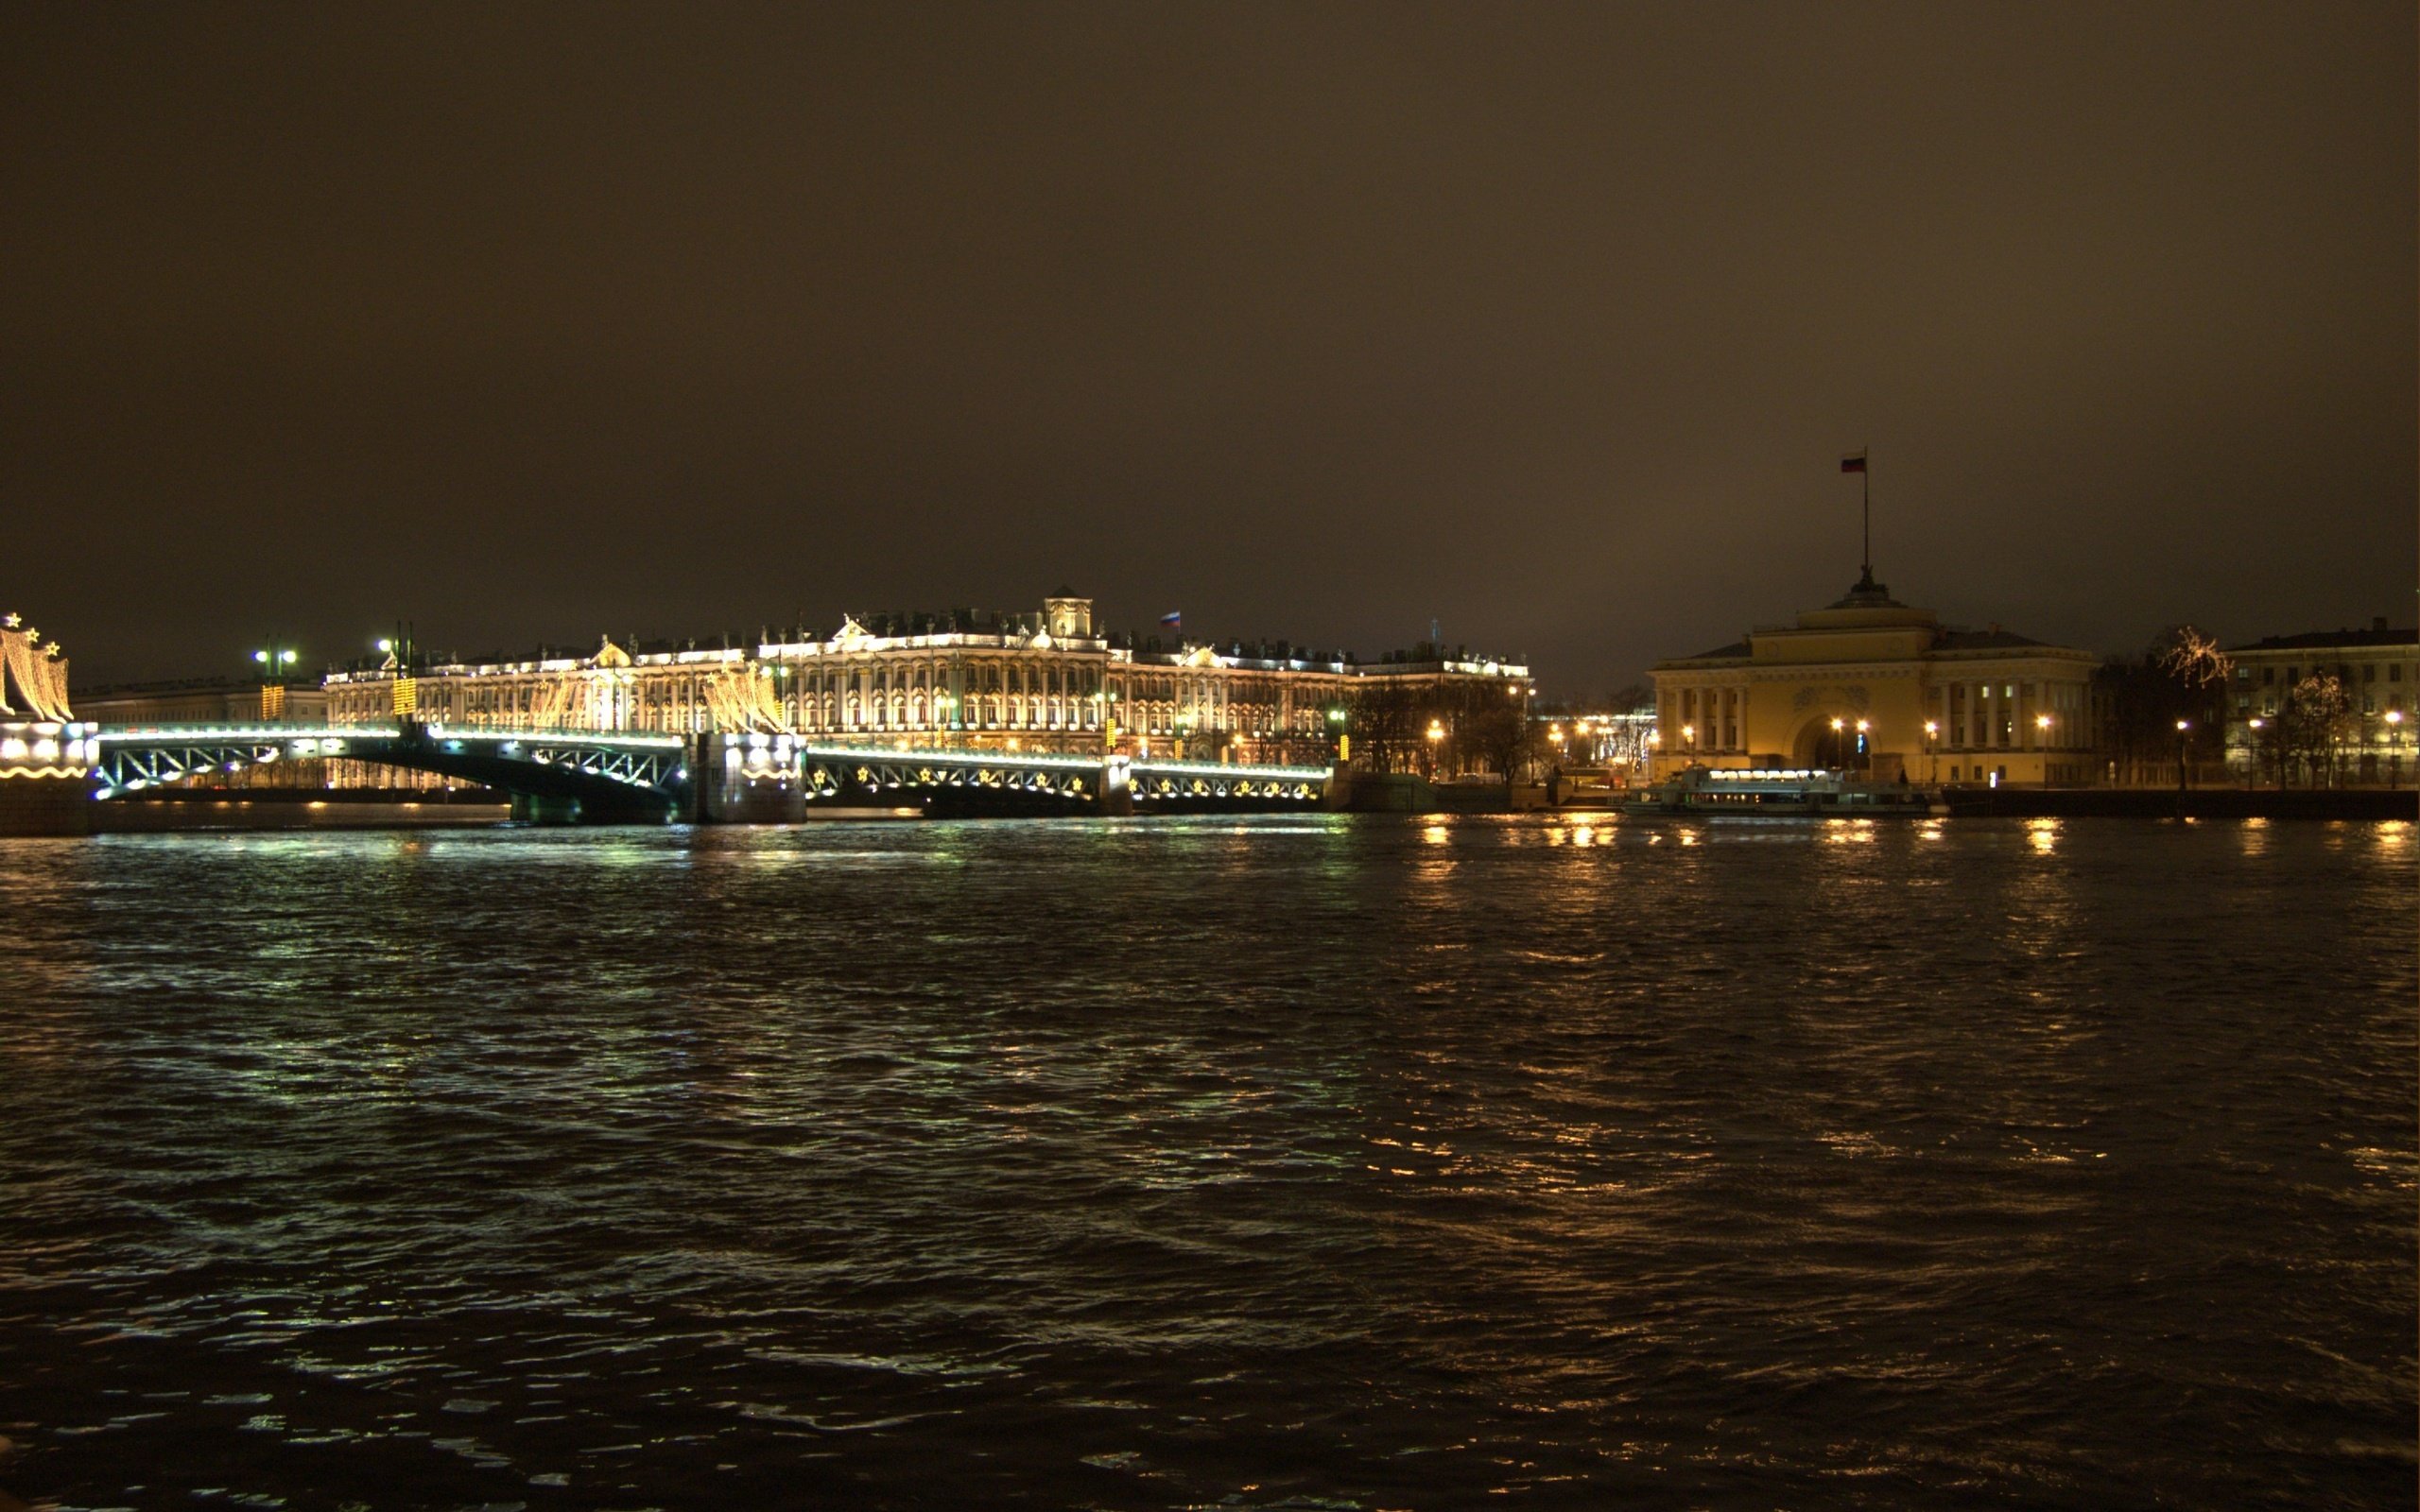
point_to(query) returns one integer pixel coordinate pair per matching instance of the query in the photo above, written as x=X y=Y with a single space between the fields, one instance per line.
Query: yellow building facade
x=1870 y=683
x=1045 y=682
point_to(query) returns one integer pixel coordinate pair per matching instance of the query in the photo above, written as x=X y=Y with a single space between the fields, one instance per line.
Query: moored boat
x=1785 y=792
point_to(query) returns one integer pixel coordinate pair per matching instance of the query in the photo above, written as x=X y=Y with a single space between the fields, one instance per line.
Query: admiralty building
x=1050 y=681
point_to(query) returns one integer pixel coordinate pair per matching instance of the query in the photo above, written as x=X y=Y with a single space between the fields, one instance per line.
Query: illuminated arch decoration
x=37 y=672
x=742 y=698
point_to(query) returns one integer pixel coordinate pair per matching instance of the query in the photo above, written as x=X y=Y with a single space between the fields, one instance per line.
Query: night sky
x=1312 y=321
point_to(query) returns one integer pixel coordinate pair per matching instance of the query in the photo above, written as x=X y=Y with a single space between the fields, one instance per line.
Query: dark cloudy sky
x=1309 y=320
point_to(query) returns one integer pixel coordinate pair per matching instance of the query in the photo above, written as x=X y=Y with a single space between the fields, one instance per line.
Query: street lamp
x=2394 y=748
x=273 y=664
x=1837 y=749
x=2251 y=749
x=1933 y=756
x=1436 y=739
x=2183 y=780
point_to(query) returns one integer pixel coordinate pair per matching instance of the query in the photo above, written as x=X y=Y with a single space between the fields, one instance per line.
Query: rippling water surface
x=1288 y=1162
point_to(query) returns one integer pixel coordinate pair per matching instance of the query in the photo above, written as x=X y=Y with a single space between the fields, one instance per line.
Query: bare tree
x=2192 y=659
x=2310 y=725
x=1631 y=697
x=1501 y=736
x=2181 y=675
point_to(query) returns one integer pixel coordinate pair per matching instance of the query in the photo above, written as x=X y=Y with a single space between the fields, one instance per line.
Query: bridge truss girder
x=636 y=775
x=611 y=780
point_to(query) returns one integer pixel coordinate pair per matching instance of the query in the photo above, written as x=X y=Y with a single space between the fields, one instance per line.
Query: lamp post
x=273 y=662
x=2183 y=774
x=2252 y=751
x=1863 y=759
x=402 y=693
x=1932 y=753
x=2394 y=748
x=1837 y=727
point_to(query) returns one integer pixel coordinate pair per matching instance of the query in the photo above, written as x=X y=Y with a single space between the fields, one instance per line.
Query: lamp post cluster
x=1839 y=741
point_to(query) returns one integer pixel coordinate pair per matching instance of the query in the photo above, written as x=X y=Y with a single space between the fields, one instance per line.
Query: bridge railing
x=759 y=747
x=237 y=731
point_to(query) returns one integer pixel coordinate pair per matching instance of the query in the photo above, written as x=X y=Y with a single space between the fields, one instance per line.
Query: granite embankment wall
x=2192 y=803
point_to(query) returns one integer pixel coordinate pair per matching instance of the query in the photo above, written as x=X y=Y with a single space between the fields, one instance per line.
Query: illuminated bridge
x=639 y=777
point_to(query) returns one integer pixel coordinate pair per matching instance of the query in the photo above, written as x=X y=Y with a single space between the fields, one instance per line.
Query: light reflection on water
x=1390 y=1162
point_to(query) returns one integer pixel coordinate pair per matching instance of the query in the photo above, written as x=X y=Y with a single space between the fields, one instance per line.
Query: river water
x=1289 y=1161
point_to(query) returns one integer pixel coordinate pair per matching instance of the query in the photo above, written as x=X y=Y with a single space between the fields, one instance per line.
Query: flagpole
x=1865 y=482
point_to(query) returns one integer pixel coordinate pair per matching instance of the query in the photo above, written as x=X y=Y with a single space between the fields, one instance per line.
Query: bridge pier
x=742 y=779
x=45 y=782
x=538 y=808
x=1116 y=798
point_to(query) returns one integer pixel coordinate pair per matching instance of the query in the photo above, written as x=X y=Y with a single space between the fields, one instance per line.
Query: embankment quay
x=2190 y=803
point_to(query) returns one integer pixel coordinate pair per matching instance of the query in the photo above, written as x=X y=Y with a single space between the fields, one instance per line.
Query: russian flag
x=1172 y=620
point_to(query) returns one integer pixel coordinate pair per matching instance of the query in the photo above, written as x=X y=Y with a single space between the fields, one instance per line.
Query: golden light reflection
x=1928 y=830
x=2395 y=834
x=1434 y=834
x=2043 y=834
x=2255 y=833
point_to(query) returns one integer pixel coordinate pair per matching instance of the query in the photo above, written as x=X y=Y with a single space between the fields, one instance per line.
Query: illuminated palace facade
x=1041 y=682
x=1871 y=683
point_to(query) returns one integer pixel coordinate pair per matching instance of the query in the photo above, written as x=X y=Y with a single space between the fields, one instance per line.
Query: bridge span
x=591 y=776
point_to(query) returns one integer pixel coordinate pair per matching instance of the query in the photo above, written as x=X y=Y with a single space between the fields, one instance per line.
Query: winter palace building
x=1051 y=681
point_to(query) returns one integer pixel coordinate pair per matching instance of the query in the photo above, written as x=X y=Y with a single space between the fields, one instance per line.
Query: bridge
x=595 y=776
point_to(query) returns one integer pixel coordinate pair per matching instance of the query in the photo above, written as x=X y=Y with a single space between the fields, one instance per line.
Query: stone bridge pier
x=744 y=780
x=44 y=777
